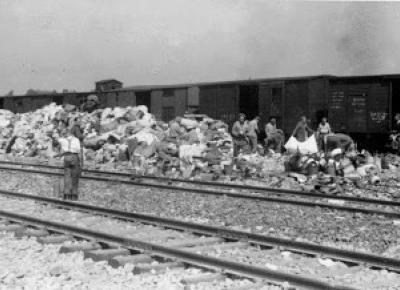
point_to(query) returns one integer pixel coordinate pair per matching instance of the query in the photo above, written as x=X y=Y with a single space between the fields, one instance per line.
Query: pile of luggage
x=122 y=135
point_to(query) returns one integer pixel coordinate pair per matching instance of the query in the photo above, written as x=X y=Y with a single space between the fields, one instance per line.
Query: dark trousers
x=239 y=144
x=72 y=172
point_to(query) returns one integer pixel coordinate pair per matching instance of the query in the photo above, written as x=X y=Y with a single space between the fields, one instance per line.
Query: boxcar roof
x=49 y=94
x=251 y=81
x=215 y=83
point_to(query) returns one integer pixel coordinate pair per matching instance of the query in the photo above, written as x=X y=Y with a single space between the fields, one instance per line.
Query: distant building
x=107 y=85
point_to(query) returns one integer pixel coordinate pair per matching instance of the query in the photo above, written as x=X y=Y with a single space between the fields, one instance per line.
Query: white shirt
x=324 y=129
x=70 y=144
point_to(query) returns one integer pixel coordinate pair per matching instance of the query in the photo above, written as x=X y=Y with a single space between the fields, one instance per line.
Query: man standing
x=239 y=132
x=253 y=133
x=76 y=131
x=70 y=150
x=274 y=137
x=323 y=130
x=302 y=131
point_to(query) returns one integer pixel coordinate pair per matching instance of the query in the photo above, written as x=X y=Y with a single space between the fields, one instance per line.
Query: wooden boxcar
x=363 y=106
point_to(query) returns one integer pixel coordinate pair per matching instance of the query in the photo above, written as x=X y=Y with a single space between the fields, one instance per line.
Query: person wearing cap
x=334 y=165
x=253 y=132
x=91 y=104
x=175 y=130
x=302 y=131
x=240 y=130
x=70 y=150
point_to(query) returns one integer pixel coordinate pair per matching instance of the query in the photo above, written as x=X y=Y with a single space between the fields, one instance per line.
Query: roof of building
x=108 y=80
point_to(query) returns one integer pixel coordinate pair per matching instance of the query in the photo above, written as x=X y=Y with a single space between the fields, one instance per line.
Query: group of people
x=246 y=135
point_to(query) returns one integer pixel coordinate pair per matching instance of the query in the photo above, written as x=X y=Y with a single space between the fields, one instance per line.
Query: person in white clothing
x=324 y=129
x=70 y=150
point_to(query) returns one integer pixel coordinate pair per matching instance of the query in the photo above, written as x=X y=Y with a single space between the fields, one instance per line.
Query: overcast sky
x=54 y=44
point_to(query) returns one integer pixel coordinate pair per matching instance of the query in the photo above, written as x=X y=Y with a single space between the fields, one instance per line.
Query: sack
x=188 y=123
x=307 y=147
x=292 y=145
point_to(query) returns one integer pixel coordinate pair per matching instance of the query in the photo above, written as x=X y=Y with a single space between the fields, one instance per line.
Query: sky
x=70 y=44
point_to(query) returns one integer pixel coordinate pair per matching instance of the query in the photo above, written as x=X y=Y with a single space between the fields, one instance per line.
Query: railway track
x=342 y=202
x=222 y=232
x=192 y=248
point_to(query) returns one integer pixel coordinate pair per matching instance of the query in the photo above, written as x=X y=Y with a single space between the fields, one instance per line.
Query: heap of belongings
x=128 y=135
x=326 y=172
x=316 y=171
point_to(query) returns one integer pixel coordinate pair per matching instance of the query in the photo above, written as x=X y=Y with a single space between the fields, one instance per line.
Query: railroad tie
x=32 y=233
x=120 y=261
x=79 y=247
x=105 y=254
x=158 y=268
x=257 y=285
x=11 y=228
x=54 y=239
x=202 y=278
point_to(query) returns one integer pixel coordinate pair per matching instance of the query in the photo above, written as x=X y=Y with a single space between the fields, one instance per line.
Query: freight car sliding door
x=219 y=102
x=227 y=104
x=337 y=110
x=359 y=106
x=208 y=101
x=271 y=100
x=347 y=112
x=357 y=113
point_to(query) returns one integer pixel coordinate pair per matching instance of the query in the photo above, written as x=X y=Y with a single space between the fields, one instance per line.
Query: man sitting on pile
x=175 y=130
x=91 y=104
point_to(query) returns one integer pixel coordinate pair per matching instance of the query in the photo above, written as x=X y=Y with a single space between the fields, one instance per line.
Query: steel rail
x=353 y=209
x=219 y=184
x=226 y=233
x=390 y=214
x=182 y=255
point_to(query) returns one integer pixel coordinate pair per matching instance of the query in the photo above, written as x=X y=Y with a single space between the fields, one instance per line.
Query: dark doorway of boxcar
x=248 y=101
x=58 y=100
x=1 y=103
x=143 y=98
x=395 y=101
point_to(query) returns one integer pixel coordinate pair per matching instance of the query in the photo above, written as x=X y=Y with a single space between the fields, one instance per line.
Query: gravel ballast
x=341 y=229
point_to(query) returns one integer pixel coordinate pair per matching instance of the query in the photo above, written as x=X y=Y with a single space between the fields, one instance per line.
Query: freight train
x=362 y=106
